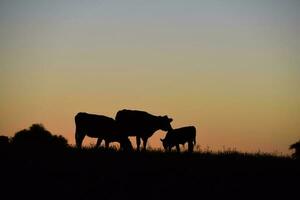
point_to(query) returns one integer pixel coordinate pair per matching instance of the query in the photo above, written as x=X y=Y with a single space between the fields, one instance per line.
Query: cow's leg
x=125 y=145
x=106 y=144
x=99 y=140
x=145 y=140
x=138 y=143
x=177 y=148
x=190 y=146
x=79 y=136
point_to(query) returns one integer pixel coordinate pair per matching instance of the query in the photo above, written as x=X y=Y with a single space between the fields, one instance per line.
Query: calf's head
x=164 y=143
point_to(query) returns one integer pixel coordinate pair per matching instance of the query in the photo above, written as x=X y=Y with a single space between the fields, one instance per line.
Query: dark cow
x=101 y=127
x=180 y=136
x=141 y=124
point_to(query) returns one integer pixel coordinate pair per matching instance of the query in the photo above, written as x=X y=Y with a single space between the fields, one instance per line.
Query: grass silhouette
x=91 y=173
x=36 y=164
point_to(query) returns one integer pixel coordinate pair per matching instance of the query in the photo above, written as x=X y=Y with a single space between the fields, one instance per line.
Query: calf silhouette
x=179 y=136
x=141 y=124
x=101 y=127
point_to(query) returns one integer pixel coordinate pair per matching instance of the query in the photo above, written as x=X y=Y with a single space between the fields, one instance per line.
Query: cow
x=179 y=136
x=101 y=127
x=141 y=124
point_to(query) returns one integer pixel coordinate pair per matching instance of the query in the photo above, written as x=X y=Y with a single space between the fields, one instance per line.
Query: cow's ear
x=169 y=119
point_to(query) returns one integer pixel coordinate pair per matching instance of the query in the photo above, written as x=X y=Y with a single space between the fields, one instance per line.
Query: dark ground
x=101 y=174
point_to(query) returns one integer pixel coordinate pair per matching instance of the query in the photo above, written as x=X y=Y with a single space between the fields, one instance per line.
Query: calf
x=180 y=136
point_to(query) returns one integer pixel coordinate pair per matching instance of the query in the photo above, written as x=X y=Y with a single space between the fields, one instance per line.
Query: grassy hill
x=108 y=174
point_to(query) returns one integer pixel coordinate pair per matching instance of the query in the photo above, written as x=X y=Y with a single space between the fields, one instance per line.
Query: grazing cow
x=101 y=127
x=180 y=136
x=141 y=124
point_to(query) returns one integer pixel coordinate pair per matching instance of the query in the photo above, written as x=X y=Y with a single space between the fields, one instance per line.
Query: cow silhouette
x=141 y=124
x=179 y=136
x=296 y=146
x=101 y=127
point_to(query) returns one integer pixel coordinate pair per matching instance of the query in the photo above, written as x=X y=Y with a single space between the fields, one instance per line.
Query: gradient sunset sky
x=231 y=68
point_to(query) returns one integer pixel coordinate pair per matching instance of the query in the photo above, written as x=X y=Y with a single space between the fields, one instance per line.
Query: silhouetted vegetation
x=4 y=142
x=38 y=138
x=99 y=173
x=296 y=146
x=90 y=173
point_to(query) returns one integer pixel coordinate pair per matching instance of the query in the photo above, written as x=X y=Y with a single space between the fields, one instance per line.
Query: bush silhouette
x=4 y=142
x=296 y=146
x=38 y=137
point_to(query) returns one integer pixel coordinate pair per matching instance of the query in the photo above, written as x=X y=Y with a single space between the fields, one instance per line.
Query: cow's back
x=130 y=121
x=94 y=125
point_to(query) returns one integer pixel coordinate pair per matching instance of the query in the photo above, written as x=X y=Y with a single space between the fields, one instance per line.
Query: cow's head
x=165 y=123
x=164 y=143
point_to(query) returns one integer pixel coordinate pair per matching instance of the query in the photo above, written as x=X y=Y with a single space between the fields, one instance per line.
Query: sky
x=231 y=68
